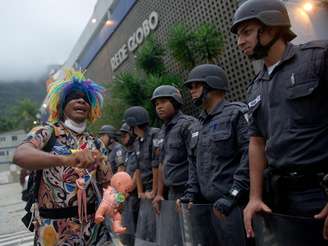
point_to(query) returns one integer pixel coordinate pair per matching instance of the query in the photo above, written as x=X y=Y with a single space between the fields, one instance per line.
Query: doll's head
x=122 y=182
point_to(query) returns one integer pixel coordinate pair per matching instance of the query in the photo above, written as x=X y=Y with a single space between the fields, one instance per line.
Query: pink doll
x=114 y=196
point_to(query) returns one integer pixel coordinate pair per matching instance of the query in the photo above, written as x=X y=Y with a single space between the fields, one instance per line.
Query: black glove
x=186 y=198
x=324 y=183
x=227 y=202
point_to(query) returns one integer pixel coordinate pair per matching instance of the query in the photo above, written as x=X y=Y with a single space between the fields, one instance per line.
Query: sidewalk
x=12 y=208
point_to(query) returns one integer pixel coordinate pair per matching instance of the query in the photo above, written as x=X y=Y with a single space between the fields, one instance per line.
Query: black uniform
x=289 y=109
x=222 y=165
x=222 y=152
x=131 y=206
x=146 y=156
x=175 y=152
x=116 y=156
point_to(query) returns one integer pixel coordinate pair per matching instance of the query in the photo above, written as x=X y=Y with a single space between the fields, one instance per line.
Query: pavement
x=12 y=230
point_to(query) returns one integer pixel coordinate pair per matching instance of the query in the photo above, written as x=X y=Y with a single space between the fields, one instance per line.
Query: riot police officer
x=220 y=173
x=176 y=134
x=130 y=159
x=147 y=147
x=137 y=118
x=131 y=207
x=108 y=135
x=288 y=114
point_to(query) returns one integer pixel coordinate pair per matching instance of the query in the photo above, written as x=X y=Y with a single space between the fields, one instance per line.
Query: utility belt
x=293 y=181
x=278 y=184
x=64 y=213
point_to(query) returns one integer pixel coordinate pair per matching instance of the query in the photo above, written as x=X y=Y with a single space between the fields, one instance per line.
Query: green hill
x=13 y=92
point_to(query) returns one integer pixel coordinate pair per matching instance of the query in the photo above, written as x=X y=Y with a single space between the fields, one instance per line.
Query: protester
x=68 y=170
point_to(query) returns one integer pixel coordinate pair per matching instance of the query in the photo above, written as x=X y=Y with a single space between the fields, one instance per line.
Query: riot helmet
x=211 y=76
x=271 y=13
x=125 y=128
x=108 y=129
x=136 y=116
x=167 y=91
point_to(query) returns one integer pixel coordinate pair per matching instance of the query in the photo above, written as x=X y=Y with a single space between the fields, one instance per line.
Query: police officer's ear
x=175 y=104
x=217 y=93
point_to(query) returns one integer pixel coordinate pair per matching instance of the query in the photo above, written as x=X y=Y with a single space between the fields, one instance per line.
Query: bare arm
x=29 y=157
x=155 y=181
x=160 y=188
x=139 y=183
x=257 y=163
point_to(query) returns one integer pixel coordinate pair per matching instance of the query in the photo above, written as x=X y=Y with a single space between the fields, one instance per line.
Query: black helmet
x=108 y=129
x=167 y=91
x=136 y=116
x=125 y=128
x=212 y=75
x=268 y=12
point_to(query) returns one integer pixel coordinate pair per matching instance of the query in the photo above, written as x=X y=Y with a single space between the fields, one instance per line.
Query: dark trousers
x=175 y=192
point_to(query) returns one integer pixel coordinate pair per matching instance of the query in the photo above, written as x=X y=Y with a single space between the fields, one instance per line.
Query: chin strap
x=261 y=51
x=204 y=96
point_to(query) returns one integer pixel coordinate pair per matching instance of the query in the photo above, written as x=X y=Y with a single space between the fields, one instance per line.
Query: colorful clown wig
x=74 y=82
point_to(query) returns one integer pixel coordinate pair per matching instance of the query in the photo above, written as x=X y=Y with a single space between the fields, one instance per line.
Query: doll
x=113 y=198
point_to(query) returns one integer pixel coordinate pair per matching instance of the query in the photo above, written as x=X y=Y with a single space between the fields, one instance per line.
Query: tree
x=209 y=43
x=181 y=42
x=24 y=114
x=149 y=57
x=191 y=48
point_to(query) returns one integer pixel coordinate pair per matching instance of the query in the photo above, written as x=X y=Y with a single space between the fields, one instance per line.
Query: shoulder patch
x=318 y=44
x=241 y=106
x=194 y=134
x=255 y=101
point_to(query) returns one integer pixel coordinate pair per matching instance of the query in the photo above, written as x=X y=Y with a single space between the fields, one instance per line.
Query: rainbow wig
x=59 y=90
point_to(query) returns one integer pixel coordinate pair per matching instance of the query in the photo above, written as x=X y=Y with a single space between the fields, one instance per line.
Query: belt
x=64 y=213
x=301 y=182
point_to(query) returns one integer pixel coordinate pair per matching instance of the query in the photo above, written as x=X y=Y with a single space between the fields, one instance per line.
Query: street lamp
x=94 y=20
x=308 y=7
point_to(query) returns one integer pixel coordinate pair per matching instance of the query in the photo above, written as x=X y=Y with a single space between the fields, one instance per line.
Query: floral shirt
x=58 y=187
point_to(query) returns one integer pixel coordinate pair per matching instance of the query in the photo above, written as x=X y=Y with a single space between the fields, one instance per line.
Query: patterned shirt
x=58 y=188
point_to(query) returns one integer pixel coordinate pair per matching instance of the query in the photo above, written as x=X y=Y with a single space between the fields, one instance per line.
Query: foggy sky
x=37 y=33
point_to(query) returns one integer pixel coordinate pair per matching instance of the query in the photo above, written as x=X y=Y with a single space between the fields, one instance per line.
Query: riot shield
x=146 y=225
x=280 y=230
x=129 y=217
x=196 y=226
x=168 y=225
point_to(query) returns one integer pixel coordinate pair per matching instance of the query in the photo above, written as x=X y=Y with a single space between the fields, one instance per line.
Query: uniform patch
x=246 y=116
x=292 y=79
x=255 y=101
x=157 y=142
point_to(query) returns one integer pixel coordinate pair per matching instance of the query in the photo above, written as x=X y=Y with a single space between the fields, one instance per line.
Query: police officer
x=130 y=158
x=108 y=136
x=221 y=170
x=177 y=132
x=137 y=118
x=131 y=207
x=288 y=113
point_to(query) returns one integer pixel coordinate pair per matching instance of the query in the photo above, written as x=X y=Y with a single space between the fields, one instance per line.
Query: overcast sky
x=36 y=33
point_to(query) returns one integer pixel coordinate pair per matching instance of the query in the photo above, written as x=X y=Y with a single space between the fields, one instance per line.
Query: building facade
x=119 y=32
